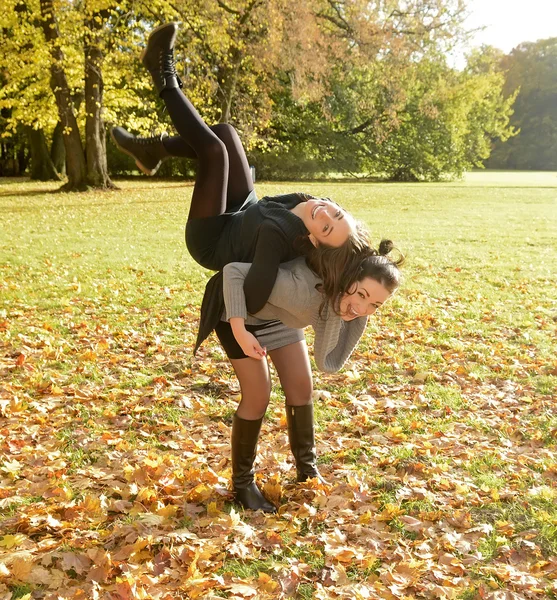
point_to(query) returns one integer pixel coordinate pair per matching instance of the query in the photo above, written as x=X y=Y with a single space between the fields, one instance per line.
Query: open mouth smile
x=315 y=209
x=351 y=312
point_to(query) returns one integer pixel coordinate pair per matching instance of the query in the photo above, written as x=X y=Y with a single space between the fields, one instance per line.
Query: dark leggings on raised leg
x=223 y=179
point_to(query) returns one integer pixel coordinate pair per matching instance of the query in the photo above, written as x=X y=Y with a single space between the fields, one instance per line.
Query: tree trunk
x=227 y=89
x=57 y=150
x=95 y=138
x=75 y=158
x=21 y=162
x=42 y=167
x=228 y=75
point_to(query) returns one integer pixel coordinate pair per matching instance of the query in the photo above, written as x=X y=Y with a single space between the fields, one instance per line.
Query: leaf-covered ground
x=437 y=440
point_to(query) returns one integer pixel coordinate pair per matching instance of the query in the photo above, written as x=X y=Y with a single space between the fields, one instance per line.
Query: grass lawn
x=438 y=438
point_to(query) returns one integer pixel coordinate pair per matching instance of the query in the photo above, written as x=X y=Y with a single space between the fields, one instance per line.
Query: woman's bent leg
x=294 y=370
x=240 y=182
x=255 y=386
x=209 y=192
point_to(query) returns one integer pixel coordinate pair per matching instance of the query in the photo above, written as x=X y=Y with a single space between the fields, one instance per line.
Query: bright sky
x=509 y=22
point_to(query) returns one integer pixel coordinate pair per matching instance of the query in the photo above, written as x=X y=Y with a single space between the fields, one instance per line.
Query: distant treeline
x=531 y=68
x=315 y=88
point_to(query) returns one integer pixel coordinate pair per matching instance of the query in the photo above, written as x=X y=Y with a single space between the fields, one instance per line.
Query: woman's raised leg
x=150 y=152
x=240 y=182
x=209 y=194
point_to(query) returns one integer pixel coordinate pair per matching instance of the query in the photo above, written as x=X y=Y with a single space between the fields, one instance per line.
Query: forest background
x=317 y=88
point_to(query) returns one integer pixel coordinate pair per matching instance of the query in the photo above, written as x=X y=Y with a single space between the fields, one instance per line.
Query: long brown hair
x=331 y=264
x=340 y=272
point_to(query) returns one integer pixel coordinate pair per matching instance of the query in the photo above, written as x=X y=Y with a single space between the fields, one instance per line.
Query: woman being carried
x=225 y=221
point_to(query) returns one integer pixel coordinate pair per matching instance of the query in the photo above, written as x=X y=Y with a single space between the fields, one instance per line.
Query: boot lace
x=168 y=63
x=144 y=141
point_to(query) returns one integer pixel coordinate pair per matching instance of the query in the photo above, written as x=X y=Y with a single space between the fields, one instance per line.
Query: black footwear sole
x=144 y=51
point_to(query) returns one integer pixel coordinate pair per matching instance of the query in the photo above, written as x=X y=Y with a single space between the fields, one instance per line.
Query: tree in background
x=57 y=60
x=314 y=87
x=532 y=76
x=392 y=108
x=25 y=98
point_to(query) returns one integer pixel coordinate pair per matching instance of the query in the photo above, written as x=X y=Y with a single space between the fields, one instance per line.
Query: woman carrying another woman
x=225 y=221
x=298 y=299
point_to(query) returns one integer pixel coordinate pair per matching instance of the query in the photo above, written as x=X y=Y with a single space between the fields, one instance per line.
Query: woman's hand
x=247 y=341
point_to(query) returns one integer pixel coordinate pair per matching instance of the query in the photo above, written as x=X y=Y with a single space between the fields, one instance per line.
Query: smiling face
x=326 y=222
x=367 y=296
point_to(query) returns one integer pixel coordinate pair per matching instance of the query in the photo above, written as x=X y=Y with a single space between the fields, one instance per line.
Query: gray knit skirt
x=270 y=334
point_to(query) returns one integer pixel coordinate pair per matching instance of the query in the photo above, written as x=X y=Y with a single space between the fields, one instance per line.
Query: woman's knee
x=225 y=132
x=213 y=149
x=253 y=406
x=300 y=393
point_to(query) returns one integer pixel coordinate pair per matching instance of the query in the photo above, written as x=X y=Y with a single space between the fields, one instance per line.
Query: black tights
x=294 y=371
x=223 y=179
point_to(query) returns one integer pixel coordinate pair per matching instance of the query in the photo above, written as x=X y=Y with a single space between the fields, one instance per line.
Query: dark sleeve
x=270 y=251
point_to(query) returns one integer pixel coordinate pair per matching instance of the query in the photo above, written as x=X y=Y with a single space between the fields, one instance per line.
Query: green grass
x=19 y=591
x=100 y=298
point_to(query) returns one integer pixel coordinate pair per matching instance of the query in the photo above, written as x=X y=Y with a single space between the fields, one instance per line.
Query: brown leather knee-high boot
x=244 y=446
x=301 y=433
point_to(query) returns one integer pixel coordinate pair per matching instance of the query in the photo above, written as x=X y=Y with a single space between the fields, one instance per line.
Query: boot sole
x=144 y=51
x=139 y=164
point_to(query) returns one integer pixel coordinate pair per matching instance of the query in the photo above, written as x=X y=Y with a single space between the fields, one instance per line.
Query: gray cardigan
x=295 y=301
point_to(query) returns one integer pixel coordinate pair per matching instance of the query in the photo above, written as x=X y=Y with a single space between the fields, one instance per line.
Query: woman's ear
x=313 y=240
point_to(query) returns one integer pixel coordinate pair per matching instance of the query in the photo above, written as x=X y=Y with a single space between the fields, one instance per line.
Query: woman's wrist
x=238 y=324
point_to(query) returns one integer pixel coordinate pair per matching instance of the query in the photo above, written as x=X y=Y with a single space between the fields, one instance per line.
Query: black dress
x=265 y=233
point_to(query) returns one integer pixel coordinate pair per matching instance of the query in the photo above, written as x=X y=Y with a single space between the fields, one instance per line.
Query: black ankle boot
x=158 y=57
x=244 y=444
x=148 y=152
x=301 y=434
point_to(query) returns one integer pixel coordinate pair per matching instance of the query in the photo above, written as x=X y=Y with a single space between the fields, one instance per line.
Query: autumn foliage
x=437 y=440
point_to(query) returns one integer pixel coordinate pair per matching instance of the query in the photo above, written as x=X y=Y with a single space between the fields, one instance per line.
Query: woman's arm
x=335 y=339
x=247 y=341
x=270 y=251
x=290 y=292
x=294 y=296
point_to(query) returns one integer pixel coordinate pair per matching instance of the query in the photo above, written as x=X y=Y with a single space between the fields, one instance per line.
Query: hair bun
x=385 y=247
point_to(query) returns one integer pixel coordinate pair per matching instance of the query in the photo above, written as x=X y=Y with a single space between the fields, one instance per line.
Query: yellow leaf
x=273 y=489
x=200 y=493
x=168 y=511
x=365 y=517
x=21 y=568
x=390 y=512
x=16 y=405
x=10 y=541
x=212 y=509
x=146 y=495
